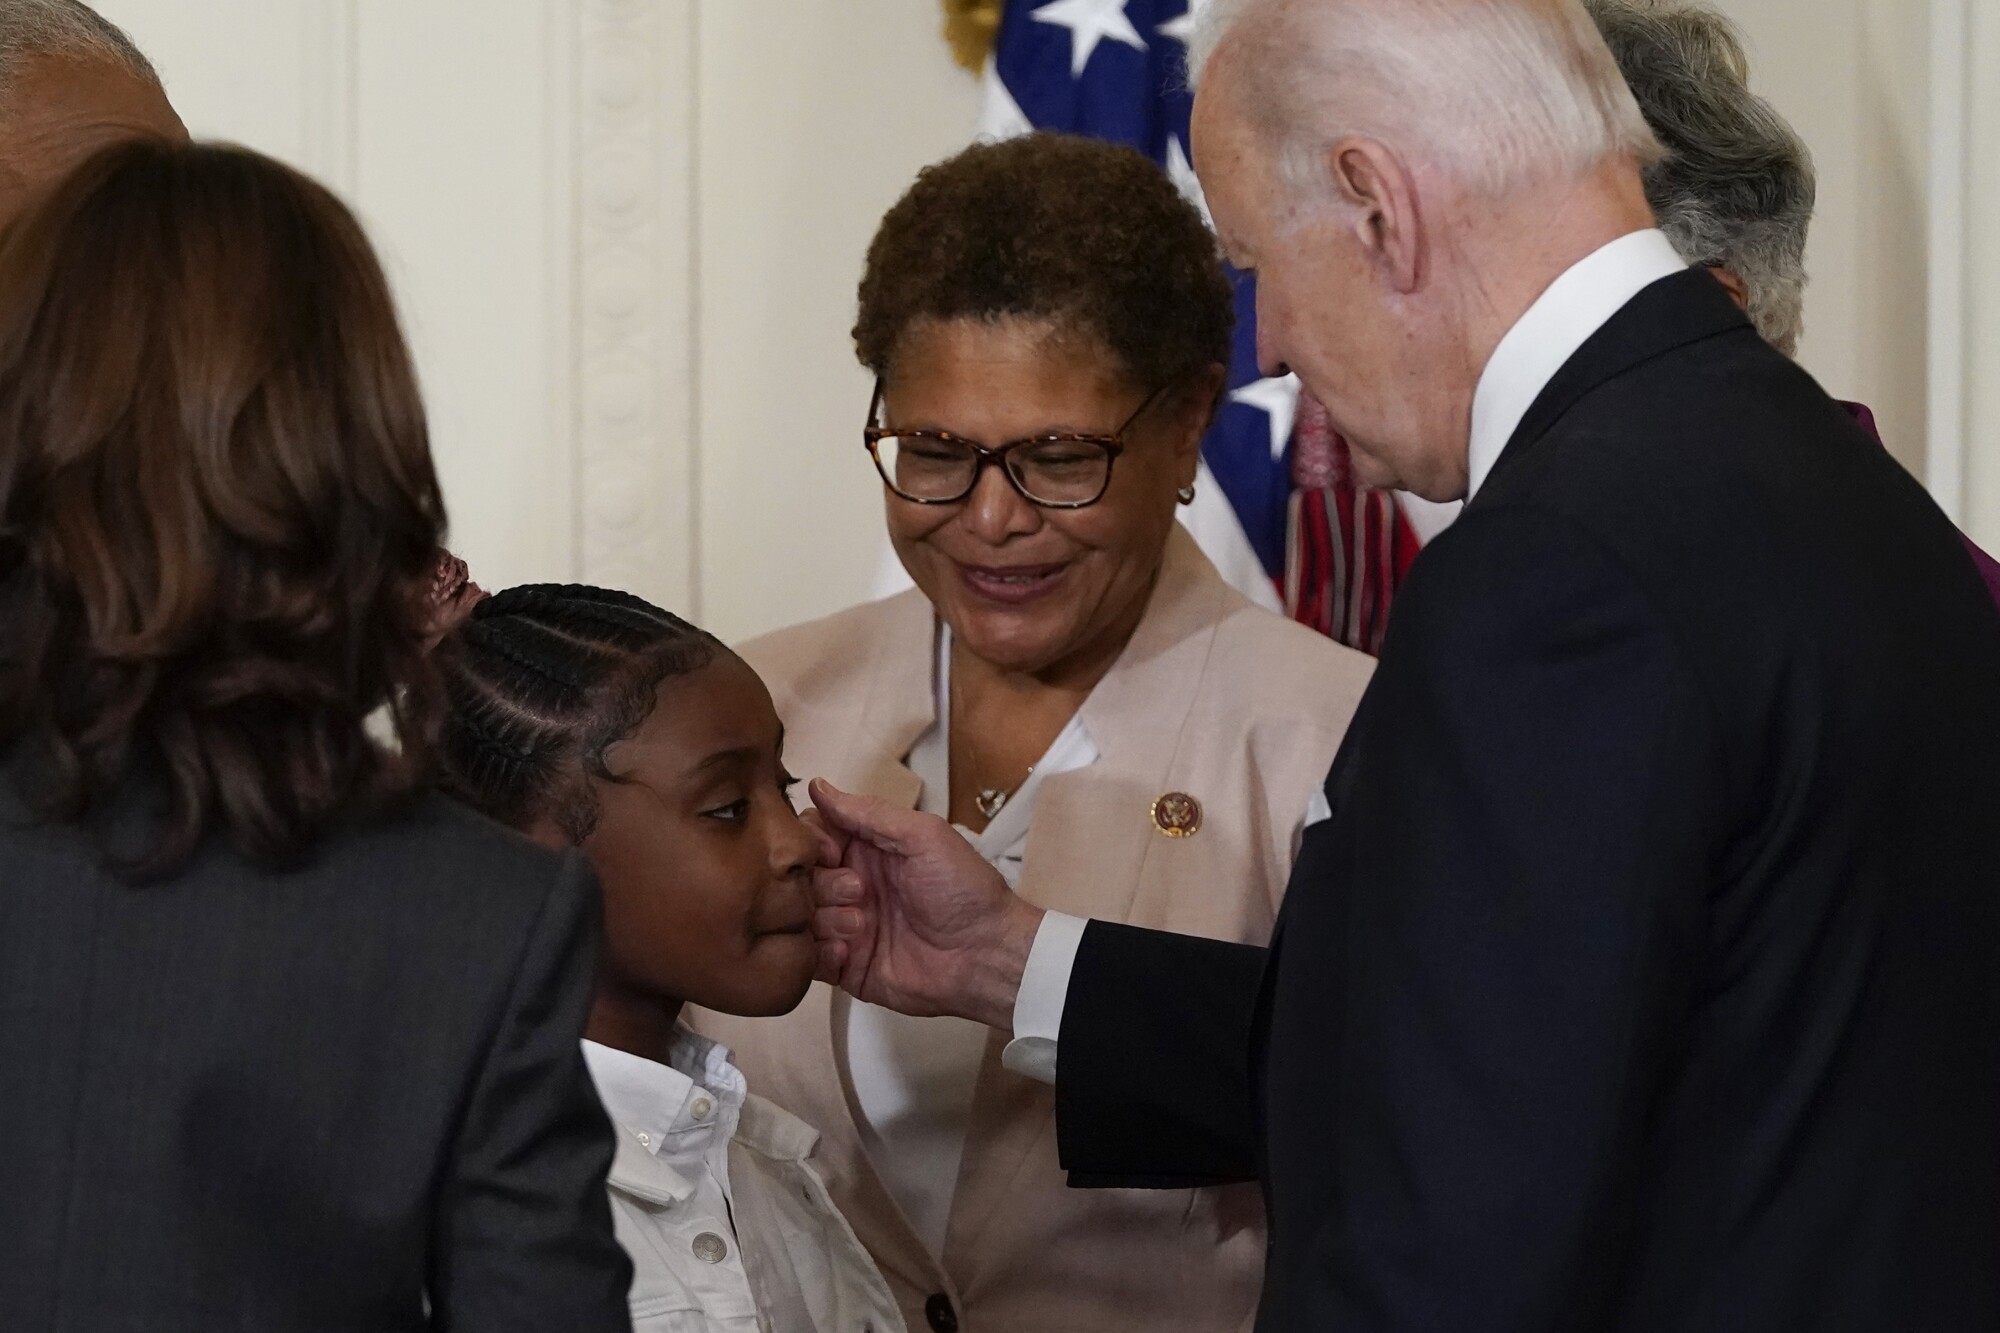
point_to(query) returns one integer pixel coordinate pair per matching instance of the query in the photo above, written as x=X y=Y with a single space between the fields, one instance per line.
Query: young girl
x=589 y=718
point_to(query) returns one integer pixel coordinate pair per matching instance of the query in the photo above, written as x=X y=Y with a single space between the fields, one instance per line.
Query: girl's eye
x=786 y=782
x=733 y=813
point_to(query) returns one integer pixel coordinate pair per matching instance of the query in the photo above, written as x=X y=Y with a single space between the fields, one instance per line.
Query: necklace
x=990 y=800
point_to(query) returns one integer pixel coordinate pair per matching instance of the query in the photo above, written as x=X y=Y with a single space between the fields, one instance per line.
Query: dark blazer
x=1648 y=975
x=347 y=1098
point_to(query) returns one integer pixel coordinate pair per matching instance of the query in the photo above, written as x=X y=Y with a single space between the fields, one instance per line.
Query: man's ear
x=1373 y=182
x=1738 y=291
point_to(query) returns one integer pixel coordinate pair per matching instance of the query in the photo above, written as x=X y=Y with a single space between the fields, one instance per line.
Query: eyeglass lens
x=1056 y=472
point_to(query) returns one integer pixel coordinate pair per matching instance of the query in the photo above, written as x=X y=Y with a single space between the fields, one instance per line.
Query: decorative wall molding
x=971 y=27
x=633 y=296
x=1947 y=459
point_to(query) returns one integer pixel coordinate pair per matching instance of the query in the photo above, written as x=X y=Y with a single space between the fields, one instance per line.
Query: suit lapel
x=1671 y=313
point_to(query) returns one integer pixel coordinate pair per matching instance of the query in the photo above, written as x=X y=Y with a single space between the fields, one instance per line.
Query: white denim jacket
x=715 y=1197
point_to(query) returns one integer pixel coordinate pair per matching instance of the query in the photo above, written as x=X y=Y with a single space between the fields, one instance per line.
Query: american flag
x=1117 y=70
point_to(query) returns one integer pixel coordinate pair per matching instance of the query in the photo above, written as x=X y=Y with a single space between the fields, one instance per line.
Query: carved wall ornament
x=971 y=27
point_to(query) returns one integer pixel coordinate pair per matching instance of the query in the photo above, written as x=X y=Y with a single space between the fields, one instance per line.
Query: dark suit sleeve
x=524 y=1238
x=1153 y=1077
x=1483 y=995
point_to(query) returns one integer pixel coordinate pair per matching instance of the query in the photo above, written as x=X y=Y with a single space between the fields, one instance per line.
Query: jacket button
x=943 y=1318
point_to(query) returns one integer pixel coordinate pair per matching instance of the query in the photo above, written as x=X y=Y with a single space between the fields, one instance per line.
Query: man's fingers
x=831 y=848
x=841 y=812
x=837 y=888
x=879 y=823
x=832 y=961
x=837 y=925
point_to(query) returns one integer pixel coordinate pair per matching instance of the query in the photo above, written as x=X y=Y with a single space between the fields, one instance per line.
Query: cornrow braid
x=539 y=682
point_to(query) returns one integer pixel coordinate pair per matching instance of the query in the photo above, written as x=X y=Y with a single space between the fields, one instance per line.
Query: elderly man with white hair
x=1642 y=975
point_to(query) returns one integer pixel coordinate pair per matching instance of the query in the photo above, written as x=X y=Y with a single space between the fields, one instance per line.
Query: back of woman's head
x=540 y=682
x=218 y=514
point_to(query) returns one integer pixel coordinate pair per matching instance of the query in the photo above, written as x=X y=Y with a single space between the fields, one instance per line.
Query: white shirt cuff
x=1038 y=1009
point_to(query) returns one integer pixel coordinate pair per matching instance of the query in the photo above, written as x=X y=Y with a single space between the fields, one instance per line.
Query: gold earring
x=1186 y=494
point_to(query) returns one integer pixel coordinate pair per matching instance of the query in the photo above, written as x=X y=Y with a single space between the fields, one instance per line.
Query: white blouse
x=914 y=1078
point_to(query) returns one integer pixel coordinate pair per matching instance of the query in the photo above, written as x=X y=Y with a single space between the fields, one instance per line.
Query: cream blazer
x=1212 y=697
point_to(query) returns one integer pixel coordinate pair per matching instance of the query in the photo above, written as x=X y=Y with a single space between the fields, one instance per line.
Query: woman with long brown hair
x=289 y=1043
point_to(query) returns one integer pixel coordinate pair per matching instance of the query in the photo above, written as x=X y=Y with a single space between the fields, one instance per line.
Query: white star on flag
x=1279 y=400
x=1090 y=22
x=1182 y=28
x=1181 y=172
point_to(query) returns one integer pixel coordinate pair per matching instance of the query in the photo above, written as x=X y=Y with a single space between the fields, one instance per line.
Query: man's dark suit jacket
x=314 y=1101
x=1648 y=975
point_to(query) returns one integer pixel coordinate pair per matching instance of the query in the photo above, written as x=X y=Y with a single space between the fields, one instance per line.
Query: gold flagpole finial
x=970 y=26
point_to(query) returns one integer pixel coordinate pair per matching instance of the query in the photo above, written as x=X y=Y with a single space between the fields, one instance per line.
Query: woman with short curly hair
x=1049 y=322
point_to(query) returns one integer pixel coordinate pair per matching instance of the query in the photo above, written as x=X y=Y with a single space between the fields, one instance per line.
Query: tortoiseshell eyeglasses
x=1061 y=470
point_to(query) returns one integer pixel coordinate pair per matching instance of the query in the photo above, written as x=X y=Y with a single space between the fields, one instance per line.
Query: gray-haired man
x=70 y=83
x=1642 y=978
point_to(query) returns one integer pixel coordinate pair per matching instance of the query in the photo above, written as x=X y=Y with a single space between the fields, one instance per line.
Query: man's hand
x=914 y=919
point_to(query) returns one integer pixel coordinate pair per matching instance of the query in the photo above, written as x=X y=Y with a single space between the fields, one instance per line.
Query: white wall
x=1979 y=363
x=1851 y=75
x=450 y=140
x=810 y=129
x=626 y=235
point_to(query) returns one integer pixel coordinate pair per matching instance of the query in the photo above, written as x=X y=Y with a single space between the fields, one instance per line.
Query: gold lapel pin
x=1177 y=814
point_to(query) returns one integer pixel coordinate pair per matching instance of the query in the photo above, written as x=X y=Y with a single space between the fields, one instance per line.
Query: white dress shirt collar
x=1575 y=306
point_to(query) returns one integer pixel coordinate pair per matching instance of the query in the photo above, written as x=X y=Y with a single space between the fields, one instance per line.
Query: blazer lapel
x=867 y=755
x=1093 y=831
x=896 y=1246
x=901 y=704
x=1088 y=848
x=1672 y=313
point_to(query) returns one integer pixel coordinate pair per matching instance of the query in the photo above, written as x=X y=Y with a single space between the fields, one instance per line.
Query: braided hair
x=540 y=682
